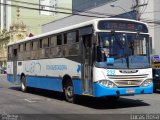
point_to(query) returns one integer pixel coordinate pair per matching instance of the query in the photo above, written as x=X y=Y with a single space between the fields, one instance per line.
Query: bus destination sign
x=122 y=26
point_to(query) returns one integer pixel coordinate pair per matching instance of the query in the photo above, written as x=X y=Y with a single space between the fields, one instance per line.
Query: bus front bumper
x=102 y=91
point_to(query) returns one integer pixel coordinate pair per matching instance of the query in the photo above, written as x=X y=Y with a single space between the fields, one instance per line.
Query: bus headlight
x=107 y=83
x=146 y=83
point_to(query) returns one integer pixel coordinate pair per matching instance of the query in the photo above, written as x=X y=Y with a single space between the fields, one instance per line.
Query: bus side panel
x=52 y=83
x=77 y=83
x=48 y=83
x=10 y=72
x=10 y=78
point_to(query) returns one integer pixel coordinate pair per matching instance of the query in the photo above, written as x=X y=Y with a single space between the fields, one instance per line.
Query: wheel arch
x=66 y=78
x=22 y=74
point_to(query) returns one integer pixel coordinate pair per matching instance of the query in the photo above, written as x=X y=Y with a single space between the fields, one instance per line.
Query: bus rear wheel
x=23 y=84
x=69 y=92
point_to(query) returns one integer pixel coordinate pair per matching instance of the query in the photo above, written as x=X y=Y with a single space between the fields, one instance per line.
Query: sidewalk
x=4 y=83
x=3 y=80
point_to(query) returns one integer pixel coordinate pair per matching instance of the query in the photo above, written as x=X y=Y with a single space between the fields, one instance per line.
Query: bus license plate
x=130 y=91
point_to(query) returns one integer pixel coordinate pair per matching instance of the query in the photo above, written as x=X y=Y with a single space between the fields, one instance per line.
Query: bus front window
x=122 y=50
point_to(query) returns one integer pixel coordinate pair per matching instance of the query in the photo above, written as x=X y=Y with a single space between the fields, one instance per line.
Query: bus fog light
x=107 y=83
x=146 y=83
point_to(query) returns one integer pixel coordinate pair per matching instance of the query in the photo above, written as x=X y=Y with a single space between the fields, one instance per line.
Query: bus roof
x=91 y=22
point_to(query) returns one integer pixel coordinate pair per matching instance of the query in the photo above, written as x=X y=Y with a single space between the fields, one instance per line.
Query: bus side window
x=55 y=46
x=74 y=49
x=59 y=39
x=44 y=48
x=71 y=37
x=53 y=41
x=34 y=51
x=65 y=38
x=71 y=45
x=77 y=36
x=10 y=54
x=45 y=42
x=59 y=46
x=20 y=52
x=27 y=51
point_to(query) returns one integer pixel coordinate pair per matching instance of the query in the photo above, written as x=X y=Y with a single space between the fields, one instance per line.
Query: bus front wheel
x=23 y=84
x=69 y=92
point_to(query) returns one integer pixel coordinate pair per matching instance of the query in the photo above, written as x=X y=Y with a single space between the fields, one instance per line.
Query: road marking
x=30 y=101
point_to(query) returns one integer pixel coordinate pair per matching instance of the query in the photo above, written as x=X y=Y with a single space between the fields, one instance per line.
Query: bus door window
x=87 y=63
x=87 y=46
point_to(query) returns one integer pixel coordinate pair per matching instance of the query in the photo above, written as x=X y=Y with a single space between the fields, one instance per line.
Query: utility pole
x=136 y=7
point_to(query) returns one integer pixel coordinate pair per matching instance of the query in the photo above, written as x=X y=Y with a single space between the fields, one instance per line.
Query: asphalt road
x=43 y=104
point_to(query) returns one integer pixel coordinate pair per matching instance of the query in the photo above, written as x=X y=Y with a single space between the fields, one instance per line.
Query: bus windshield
x=122 y=50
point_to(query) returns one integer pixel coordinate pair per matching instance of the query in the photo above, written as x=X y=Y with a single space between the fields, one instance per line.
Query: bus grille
x=123 y=83
x=128 y=80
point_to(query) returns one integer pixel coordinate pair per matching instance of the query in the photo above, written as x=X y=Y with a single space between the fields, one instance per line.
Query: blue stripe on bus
x=55 y=84
x=101 y=91
x=10 y=78
x=49 y=83
x=44 y=83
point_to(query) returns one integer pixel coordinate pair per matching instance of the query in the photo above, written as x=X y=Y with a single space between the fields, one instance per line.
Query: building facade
x=43 y=12
x=148 y=11
x=5 y=12
x=151 y=15
x=12 y=27
x=97 y=8
x=56 y=14
x=83 y=5
x=17 y=31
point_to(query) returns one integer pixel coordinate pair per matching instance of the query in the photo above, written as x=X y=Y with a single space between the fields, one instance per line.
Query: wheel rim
x=69 y=91
x=23 y=84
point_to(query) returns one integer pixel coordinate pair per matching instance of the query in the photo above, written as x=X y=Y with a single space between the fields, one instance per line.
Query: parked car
x=156 y=79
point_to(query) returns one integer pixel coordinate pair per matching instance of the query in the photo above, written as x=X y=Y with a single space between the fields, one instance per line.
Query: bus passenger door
x=86 y=64
x=14 y=65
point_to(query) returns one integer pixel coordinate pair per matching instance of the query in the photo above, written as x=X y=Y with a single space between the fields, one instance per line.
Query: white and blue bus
x=73 y=60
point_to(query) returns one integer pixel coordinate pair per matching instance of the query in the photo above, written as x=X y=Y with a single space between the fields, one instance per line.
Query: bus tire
x=69 y=92
x=23 y=84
